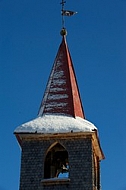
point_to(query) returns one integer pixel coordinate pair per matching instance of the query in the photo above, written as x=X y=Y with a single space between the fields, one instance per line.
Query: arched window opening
x=56 y=163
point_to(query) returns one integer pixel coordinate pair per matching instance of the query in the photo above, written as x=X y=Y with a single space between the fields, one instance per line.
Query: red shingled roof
x=62 y=93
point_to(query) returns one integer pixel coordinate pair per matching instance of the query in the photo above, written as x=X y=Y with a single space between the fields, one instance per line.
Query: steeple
x=62 y=94
x=60 y=148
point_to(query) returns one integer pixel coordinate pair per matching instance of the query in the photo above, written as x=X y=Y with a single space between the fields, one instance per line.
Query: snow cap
x=56 y=124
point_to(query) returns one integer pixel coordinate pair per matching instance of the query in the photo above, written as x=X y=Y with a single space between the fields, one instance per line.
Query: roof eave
x=40 y=136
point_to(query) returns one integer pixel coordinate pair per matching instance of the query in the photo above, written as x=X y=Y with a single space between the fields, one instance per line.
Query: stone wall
x=80 y=163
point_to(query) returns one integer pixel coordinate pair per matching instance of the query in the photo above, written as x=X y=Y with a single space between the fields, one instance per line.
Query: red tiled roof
x=62 y=93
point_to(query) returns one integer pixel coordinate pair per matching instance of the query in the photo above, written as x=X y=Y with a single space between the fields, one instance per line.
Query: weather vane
x=65 y=13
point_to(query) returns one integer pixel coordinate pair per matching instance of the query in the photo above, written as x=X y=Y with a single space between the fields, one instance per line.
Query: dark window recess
x=96 y=172
x=56 y=163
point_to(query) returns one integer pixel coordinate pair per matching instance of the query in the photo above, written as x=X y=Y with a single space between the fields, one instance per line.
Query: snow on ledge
x=56 y=124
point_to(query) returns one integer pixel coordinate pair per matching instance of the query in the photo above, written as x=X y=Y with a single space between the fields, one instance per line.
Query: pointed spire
x=62 y=93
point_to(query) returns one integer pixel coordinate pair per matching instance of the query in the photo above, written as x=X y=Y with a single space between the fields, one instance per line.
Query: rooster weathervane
x=65 y=13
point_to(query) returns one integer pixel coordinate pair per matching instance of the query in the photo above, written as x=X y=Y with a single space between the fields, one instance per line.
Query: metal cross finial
x=65 y=13
x=62 y=3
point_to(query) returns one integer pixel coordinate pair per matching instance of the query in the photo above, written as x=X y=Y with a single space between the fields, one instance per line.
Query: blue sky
x=29 y=40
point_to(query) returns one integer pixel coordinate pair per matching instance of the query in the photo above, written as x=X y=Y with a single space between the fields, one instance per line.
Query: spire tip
x=63 y=32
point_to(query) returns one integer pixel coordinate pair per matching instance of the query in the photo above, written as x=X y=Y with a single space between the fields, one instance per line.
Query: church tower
x=60 y=148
